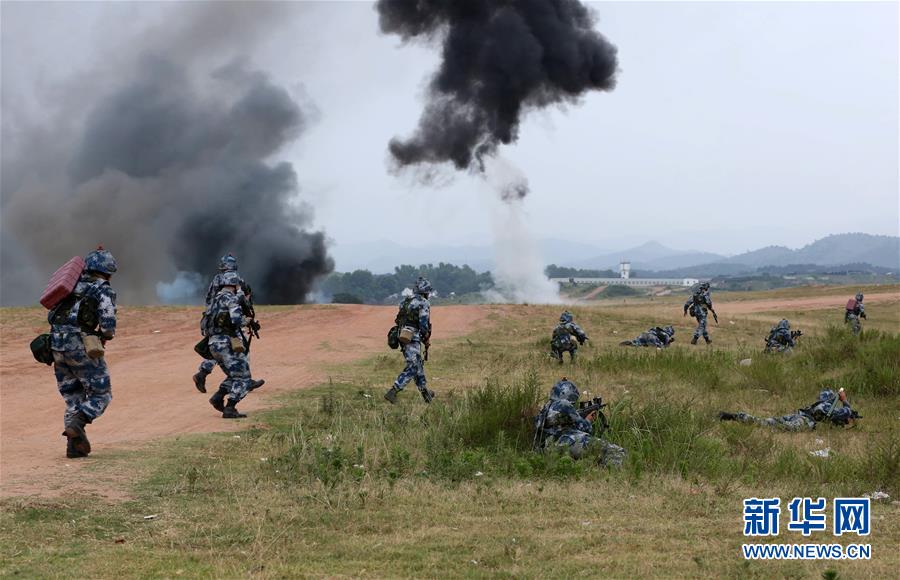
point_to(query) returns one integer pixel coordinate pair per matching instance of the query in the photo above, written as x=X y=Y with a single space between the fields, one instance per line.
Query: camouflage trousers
x=853 y=321
x=558 y=348
x=701 y=325
x=647 y=339
x=414 y=369
x=83 y=383
x=207 y=366
x=775 y=346
x=794 y=422
x=576 y=442
x=234 y=364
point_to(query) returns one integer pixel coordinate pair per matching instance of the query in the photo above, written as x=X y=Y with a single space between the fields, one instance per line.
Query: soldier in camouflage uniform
x=780 y=338
x=83 y=381
x=560 y=426
x=658 y=336
x=415 y=314
x=566 y=337
x=852 y=315
x=699 y=304
x=804 y=419
x=227 y=345
x=228 y=263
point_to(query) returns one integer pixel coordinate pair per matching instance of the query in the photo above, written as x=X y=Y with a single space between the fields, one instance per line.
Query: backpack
x=62 y=282
x=852 y=304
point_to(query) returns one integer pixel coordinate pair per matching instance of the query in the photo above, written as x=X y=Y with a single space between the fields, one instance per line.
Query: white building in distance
x=625 y=279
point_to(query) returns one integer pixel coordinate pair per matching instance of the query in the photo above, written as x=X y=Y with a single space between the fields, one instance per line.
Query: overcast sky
x=733 y=126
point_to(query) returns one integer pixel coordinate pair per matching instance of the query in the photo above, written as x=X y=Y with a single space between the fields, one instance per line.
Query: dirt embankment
x=151 y=363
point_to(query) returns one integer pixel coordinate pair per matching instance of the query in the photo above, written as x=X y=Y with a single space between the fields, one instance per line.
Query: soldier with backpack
x=698 y=305
x=660 y=337
x=560 y=425
x=781 y=338
x=228 y=347
x=413 y=324
x=824 y=409
x=854 y=311
x=566 y=337
x=80 y=325
x=228 y=263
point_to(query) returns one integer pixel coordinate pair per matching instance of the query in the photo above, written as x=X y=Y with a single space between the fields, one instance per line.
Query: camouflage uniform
x=227 y=263
x=780 y=339
x=224 y=321
x=698 y=305
x=83 y=381
x=560 y=426
x=415 y=312
x=824 y=409
x=658 y=337
x=852 y=317
x=566 y=337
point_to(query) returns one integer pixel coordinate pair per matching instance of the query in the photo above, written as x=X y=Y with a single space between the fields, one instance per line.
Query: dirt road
x=837 y=302
x=151 y=362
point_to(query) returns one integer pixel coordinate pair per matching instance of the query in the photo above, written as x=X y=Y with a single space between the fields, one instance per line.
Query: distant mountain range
x=834 y=250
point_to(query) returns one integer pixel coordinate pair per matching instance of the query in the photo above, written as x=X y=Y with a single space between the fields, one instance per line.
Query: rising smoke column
x=500 y=58
x=170 y=169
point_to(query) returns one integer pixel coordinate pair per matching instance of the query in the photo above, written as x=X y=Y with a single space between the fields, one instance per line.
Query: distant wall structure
x=683 y=282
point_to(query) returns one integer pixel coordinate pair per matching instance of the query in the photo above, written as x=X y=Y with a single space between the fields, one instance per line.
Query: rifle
x=796 y=333
x=585 y=408
x=715 y=316
x=253 y=326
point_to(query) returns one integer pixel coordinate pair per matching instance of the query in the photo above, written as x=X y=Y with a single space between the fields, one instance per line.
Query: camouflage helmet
x=228 y=263
x=826 y=396
x=784 y=324
x=859 y=296
x=704 y=285
x=670 y=330
x=100 y=260
x=229 y=279
x=565 y=390
x=565 y=316
x=423 y=286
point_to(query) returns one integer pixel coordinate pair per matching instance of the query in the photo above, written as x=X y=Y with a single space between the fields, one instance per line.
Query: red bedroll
x=851 y=304
x=62 y=282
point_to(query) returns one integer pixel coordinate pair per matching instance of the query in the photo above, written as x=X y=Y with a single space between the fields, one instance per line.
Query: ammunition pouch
x=393 y=337
x=40 y=349
x=237 y=344
x=406 y=335
x=202 y=348
x=93 y=346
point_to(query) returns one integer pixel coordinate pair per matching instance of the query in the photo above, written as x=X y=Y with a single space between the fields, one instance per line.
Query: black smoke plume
x=169 y=170
x=500 y=58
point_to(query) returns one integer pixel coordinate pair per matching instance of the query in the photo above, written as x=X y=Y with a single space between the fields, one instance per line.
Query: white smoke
x=518 y=264
x=184 y=289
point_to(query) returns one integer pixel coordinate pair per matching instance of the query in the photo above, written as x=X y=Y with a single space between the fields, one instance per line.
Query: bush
x=346 y=298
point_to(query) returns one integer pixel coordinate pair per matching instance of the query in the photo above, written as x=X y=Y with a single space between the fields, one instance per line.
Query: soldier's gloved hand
x=591 y=416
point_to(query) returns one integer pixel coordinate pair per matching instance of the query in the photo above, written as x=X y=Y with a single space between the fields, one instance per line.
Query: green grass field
x=336 y=482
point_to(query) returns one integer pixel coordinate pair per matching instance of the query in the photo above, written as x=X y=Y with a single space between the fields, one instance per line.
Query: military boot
x=76 y=435
x=231 y=412
x=427 y=395
x=694 y=340
x=723 y=416
x=218 y=400
x=200 y=381
x=391 y=395
x=256 y=384
x=71 y=452
x=707 y=339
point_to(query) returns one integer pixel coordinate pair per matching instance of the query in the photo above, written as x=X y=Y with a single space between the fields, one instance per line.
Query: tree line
x=364 y=287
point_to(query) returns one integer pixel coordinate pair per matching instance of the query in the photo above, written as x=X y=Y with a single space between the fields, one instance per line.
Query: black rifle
x=715 y=316
x=596 y=404
x=796 y=333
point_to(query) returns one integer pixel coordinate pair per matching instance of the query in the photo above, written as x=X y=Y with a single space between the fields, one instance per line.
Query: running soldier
x=228 y=347
x=86 y=317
